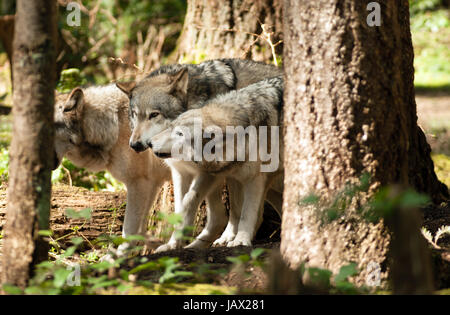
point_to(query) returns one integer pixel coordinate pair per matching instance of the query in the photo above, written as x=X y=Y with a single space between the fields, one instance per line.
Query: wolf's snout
x=150 y=145
x=137 y=146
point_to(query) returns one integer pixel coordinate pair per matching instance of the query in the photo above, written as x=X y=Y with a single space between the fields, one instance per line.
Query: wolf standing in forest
x=92 y=130
x=249 y=114
x=173 y=89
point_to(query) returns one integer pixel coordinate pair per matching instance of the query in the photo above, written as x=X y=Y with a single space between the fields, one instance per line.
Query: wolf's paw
x=198 y=243
x=166 y=247
x=224 y=239
x=240 y=240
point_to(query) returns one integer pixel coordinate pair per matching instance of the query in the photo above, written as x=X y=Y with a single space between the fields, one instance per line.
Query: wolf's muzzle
x=162 y=155
x=137 y=146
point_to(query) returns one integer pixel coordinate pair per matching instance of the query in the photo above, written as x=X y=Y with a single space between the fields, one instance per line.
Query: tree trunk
x=31 y=151
x=232 y=28
x=349 y=109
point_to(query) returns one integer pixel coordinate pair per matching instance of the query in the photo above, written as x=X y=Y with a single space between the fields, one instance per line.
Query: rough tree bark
x=31 y=151
x=218 y=29
x=349 y=109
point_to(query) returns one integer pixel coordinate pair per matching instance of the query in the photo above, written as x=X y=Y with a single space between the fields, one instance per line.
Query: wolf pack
x=200 y=126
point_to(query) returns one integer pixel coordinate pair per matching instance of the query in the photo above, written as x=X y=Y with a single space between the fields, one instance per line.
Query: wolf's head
x=154 y=103
x=177 y=140
x=68 y=128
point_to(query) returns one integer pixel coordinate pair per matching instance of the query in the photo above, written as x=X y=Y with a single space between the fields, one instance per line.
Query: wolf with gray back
x=92 y=130
x=171 y=90
x=260 y=106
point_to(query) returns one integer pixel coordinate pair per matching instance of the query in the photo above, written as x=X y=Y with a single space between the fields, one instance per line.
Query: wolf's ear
x=126 y=87
x=179 y=82
x=74 y=103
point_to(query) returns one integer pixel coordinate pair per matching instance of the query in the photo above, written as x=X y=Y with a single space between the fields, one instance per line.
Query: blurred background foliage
x=120 y=38
x=124 y=39
x=430 y=27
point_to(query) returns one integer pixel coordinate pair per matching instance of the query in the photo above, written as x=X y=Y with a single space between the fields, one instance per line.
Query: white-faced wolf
x=92 y=130
x=220 y=158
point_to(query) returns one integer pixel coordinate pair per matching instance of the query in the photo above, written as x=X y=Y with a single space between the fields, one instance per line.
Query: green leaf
x=69 y=252
x=82 y=214
x=45 y=233
x=102 y=266
x=411 y=199
x=257 y=252
x=345 y=272
x=320 y=277
x=346 y=287
x=12 y=289
x=239 y=259
x=76 y=240
x=150 y=265
x=131 y=238
x=60 y=277
x=310 y=199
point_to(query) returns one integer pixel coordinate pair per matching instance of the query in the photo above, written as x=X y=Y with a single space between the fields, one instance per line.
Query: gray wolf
x=173 y=89
x=92 y=130
x=257 y=105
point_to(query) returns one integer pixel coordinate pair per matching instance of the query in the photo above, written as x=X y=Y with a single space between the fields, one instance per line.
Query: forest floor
x=108 y=211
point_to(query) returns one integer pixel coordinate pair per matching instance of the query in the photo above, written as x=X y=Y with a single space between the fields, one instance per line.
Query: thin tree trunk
x=349 y=110
x=31 y=152
x=219 y=29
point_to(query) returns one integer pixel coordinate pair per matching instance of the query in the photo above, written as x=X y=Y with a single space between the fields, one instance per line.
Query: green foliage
x=4 y=164
x=324 y=280
x=173 y=220
x=387 y=199
x=430 y=27
x=82 y=214
x=381 y=205
x=254 y=259
x=336 y=207
x=101 y=181
x=70 y=79
x=442 y=167
x=112 y=31
x=420 y=6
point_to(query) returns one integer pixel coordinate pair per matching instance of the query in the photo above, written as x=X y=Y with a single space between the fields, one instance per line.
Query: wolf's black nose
x=137 y=146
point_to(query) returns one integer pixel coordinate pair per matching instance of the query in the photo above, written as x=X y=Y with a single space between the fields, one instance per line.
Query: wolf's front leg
x=216 y=219
x=254 y=192
x=141 y=194
x=181 y=184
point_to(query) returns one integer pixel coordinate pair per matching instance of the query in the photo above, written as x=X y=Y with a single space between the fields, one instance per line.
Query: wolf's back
x=248 y=72
x=259 y=104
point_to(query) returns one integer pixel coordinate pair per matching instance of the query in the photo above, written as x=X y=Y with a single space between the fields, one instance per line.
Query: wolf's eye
x=153 y=115
x=179 y=134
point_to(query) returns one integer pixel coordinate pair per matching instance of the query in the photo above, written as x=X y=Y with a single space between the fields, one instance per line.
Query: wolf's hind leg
x=254 y=192
x=236 y=196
